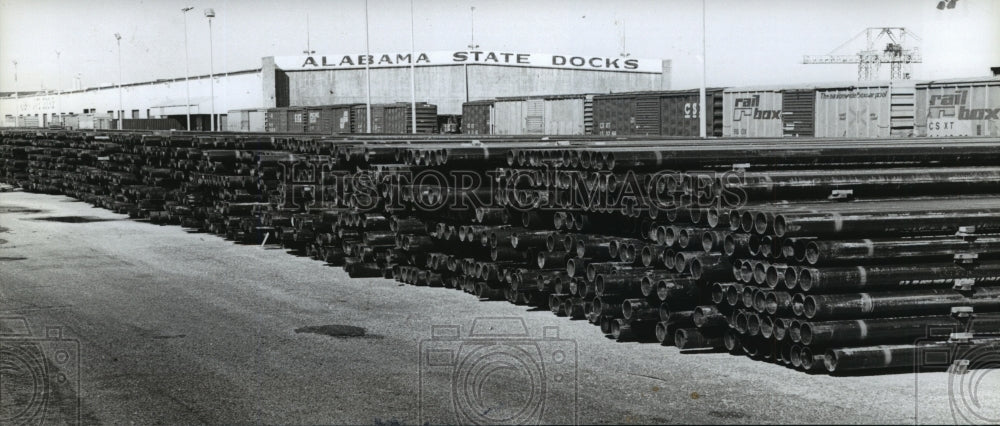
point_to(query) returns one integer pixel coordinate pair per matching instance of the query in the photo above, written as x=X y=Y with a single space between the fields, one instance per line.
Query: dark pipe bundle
x=823 y=255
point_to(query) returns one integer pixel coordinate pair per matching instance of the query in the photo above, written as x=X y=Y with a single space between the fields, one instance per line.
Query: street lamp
x=472 y=41
x=187 y=70
x=413 y=79
x=121 y=109
x=368 y=77
x=210 y=13
x=472 y=46
x=308 y=50
x=59 y=85
x=58 y=71
x=702 y=123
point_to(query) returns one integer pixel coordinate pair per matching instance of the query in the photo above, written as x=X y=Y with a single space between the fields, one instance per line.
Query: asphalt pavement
x=111 y=320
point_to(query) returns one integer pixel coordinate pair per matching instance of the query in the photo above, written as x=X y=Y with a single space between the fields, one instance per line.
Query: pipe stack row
x=824 y=255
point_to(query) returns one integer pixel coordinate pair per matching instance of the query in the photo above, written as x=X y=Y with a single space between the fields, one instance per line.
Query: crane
x=870 y=60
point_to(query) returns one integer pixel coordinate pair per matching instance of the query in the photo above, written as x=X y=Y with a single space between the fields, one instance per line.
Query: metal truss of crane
x=870 y=60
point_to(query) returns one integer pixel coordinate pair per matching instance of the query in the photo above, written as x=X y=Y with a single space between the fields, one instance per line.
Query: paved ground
x=159 y=325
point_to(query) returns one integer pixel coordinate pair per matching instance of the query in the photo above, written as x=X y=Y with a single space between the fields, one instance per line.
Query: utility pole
x=121 y=109
x=413 y=72
x=472 y=46
x=187 y=67
x=210 y=13
x=368 y=77
x=59 y=85
x=702 y=124
x=308 y=50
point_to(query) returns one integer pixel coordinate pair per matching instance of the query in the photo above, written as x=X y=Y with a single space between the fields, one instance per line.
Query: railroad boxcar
x=246 y=120
x=297 y=120
x=541 y=115
x=395 y=118
x=476 y=117
x=329 y=119
x=753 y=112
x=798 y=109
x=657 y=113
x=865 y=109
x=958 y=107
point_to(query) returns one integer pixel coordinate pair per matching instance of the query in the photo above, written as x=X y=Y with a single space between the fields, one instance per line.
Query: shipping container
x=958 y=107
x=752 y=112
x=656 y=113
x=548 y=115
x=798 y=108
x=859 y=109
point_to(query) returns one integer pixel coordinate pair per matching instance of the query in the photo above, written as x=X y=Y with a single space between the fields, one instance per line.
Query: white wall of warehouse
x=235 y=91
x=444 y=85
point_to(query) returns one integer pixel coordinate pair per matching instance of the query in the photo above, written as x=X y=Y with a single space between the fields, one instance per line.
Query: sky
x=748 y=42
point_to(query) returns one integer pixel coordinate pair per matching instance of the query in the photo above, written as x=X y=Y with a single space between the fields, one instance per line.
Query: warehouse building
x=442 y=78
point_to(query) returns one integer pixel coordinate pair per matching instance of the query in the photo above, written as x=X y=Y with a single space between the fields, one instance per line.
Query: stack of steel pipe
x=824 y=255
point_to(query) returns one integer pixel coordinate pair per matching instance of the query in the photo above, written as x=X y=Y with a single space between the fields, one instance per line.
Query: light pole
x=121 y=109
x=15 y=76
x=472 y=46
x=368 y=77
x=472 y=27
x=413 y=80
x=187 y=69
x=308 y=50
x=702 y=124
x=210 y=13
x=58 y=72
x=59 y=85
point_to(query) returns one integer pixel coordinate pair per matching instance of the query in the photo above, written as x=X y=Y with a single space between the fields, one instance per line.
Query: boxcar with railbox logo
x=958 y=107
x=753 y=111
